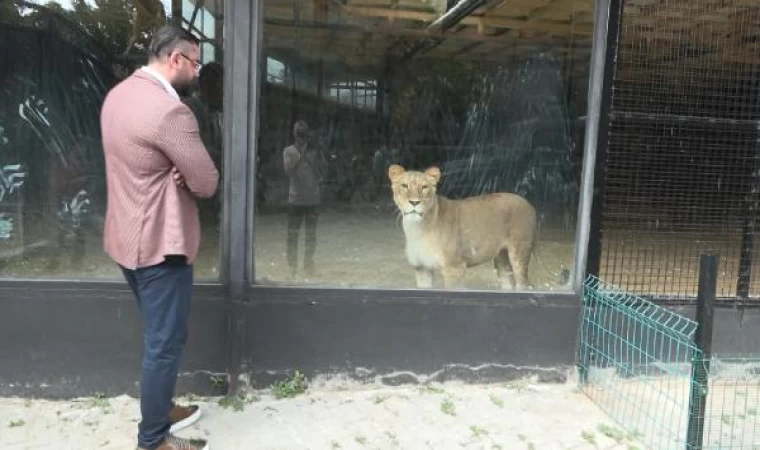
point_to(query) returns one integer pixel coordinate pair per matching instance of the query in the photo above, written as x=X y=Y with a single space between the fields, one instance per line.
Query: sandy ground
x=520 y=414
x=656 y=407
x=362 y=246
x=365 y=248
x=357 y=246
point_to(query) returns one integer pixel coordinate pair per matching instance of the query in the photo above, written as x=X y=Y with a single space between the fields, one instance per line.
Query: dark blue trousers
x=163 y=298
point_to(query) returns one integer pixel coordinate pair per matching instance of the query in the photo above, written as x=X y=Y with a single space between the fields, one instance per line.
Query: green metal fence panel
x=637 y=361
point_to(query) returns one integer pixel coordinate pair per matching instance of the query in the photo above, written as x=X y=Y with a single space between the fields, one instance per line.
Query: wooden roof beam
x=321 y=10
x=382 y=30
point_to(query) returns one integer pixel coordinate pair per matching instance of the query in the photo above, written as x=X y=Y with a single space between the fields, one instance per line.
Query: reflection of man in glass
x=207 y=105
x=303 y=165
x=211 y=92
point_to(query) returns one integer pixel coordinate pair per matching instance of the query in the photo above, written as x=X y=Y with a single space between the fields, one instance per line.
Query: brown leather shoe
x=175 y=443
x=182 y=417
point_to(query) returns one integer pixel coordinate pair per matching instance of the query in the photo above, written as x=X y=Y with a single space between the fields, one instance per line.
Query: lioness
x=450 y=235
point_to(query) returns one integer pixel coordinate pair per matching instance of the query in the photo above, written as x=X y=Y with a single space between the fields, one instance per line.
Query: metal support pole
x=606 y=30
x=584 y=350
x=588 y=236
x=708 y=281
x=749 y=223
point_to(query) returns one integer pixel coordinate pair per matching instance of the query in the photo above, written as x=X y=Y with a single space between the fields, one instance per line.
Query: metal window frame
x=227 y=289
x=596 y=96
x=605 y=38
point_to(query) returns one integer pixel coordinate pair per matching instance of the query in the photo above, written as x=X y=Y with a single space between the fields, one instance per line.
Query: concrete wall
x=67 y=340
x=63 y=340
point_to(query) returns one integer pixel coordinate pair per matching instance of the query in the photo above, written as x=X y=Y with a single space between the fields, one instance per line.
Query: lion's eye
x=424 y=188
x=405 y=186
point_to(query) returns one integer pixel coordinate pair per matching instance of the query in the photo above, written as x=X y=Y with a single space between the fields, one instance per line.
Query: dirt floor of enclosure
x=365 y=248
x=356 y=247
x=667 y=263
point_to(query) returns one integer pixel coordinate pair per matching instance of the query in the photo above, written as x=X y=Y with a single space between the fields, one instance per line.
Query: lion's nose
x=414 y=202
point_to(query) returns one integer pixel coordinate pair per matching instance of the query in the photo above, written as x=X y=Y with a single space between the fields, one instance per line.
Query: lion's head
x=414 y=192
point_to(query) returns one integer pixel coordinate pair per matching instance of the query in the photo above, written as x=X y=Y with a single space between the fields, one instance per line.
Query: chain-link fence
x=681 y=150
x=641 y=364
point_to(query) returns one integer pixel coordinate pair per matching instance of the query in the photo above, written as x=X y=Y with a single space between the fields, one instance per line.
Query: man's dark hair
x=166 y=39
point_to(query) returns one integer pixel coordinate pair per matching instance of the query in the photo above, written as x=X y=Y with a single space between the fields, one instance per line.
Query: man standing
x=156 y=168
x=303 y=165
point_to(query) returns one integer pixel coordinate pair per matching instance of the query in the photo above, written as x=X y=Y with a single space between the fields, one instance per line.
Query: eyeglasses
x=197 y=64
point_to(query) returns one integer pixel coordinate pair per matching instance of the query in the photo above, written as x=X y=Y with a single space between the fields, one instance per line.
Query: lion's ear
x=434 y=173
x=394 y=172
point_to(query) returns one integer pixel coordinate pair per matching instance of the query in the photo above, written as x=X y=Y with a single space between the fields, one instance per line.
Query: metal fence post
x=584 y=357
x=749 y=223
x=708 y=277
x=595 y=154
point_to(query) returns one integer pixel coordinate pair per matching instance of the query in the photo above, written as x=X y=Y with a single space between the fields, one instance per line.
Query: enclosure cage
x=678 y=163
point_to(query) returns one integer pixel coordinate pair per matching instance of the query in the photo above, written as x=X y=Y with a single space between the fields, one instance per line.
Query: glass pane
x=58 y=60
x=404 y=144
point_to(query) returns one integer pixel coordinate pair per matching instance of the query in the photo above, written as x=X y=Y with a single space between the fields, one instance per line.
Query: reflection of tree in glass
x=428 y=106
x=11 y=180
x=146 y=15
x=9 y=11
x=49 y=105
x=490 y=127
x=109 y=22
x=105 y=27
